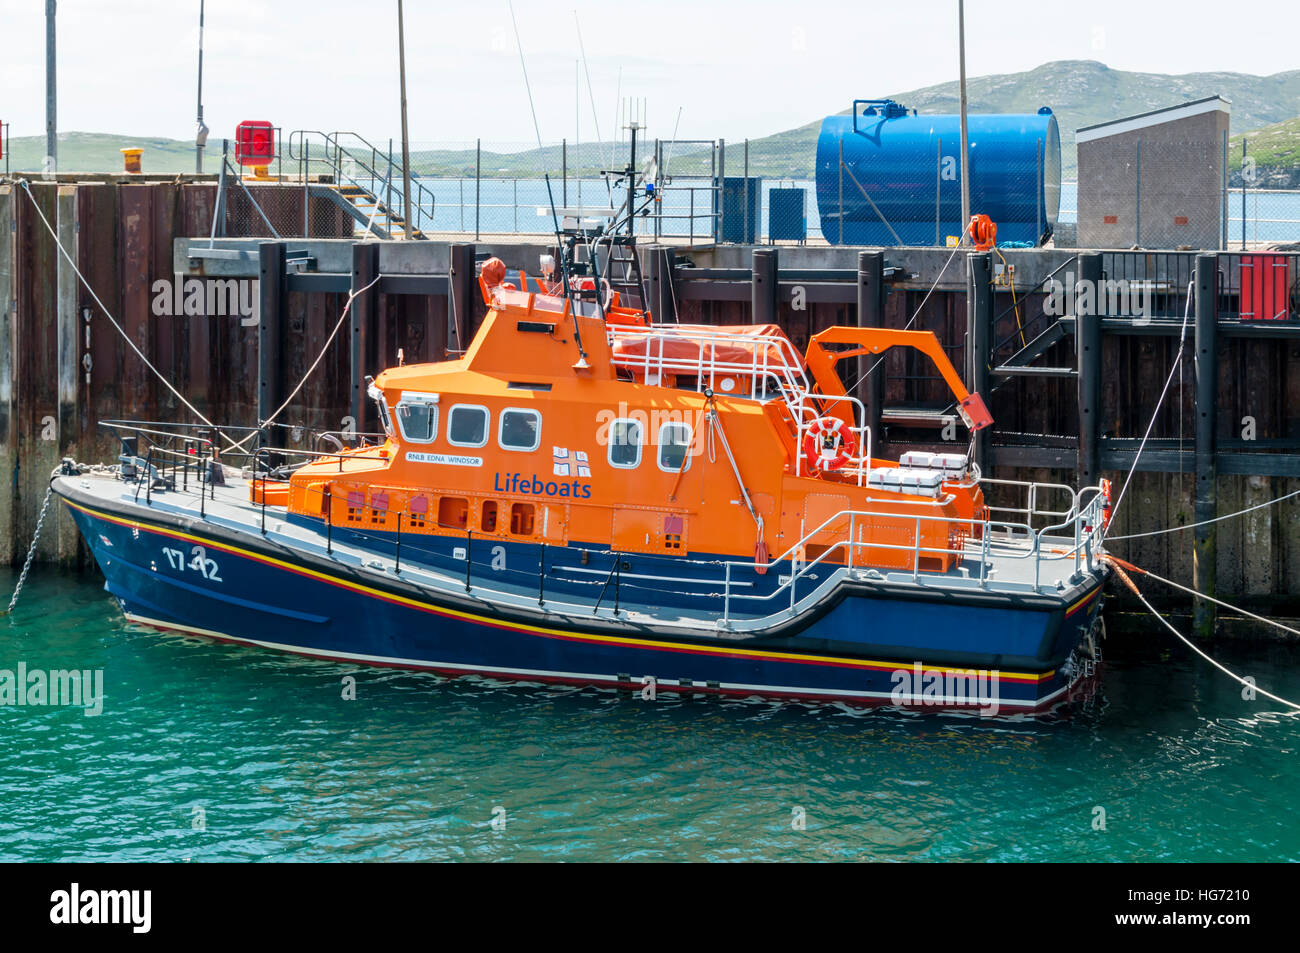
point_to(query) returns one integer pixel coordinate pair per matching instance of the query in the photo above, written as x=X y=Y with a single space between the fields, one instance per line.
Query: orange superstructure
x=565 y=422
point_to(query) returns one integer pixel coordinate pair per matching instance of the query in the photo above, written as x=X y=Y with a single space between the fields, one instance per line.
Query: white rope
x=235 y=446
x=352 y=296
x=916 y=314
x=1191 y=645
x=113 y=321
x=1187 y=310
x=1217 y=519
x=1220 y=602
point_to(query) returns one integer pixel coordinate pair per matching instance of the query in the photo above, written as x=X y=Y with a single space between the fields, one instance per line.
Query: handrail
x=334 y=155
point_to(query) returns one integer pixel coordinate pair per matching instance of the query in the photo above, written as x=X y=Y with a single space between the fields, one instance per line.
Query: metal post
x=871 y=314
x=51 y=93
x=965 y=141
x=201 y=132
x=397 y=561
x=1088 y=348
x=666 y=301
x=564 y=172
x=938 y=187
x=1243 y=193
x=364 y=317
x=841 y=241
x=1137 y=189
x=329 y=521
x=1223 y=211
x=720 y=205
x=1207 y=380
x=469 y=561
x=270 y=329
x=460 y=295
x=541 y=577
x=979 y=318
x=407 y=215
x=1038 y=196
x=478 y=182
x=764 y=286
x=306 y=192
x=747 y=239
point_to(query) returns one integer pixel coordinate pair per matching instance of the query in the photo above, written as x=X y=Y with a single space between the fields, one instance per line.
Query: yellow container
x=131 y=160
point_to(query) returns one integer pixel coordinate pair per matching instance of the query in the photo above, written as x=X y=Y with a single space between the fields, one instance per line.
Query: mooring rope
x=108 y=314
x=233 y=445
x=1117 y=566
x=880 y=359
x=1178 y=362
x=1217 y=519
x=1116 y=561
x=352 y=296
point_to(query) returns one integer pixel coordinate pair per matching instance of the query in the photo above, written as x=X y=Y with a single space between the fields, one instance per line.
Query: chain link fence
x=777 y=190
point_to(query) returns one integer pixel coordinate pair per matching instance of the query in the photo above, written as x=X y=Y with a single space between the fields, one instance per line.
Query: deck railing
x=1077 y=535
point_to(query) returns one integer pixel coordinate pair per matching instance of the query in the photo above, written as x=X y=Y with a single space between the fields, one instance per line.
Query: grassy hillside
x=1080 y=92
x=1275 y=150
x=99 y=152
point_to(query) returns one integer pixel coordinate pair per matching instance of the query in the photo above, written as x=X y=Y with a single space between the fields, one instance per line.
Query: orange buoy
x=983 y=232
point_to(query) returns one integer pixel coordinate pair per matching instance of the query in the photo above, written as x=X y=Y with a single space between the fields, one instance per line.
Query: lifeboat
x=589 y=496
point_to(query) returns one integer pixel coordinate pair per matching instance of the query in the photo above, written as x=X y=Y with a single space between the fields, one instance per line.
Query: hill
x=101 y=152
x=1275 y=150
x=1080 y=92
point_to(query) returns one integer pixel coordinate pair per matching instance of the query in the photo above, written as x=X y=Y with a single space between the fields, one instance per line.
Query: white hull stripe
x=910 y=699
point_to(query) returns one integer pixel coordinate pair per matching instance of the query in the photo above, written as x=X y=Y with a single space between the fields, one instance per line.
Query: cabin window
x=419 y=512
x=521 y=519
x=674 y=447
x=379 y=508
x=520 y=429
x=488 y=521
x=453 y=512
x=356 y=505
x=625 y=439
x=418 y=421
x=467 y=425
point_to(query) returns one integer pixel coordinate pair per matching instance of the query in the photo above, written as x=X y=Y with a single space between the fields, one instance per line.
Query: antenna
x=595 y=116
x=564 y=270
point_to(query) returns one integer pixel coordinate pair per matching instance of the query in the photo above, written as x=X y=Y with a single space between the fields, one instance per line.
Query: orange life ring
x=819 y=439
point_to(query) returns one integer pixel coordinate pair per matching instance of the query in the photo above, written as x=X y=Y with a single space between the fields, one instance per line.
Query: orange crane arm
x=821 y=362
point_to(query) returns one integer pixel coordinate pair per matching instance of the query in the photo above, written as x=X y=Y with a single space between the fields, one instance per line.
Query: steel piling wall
x=64 y=368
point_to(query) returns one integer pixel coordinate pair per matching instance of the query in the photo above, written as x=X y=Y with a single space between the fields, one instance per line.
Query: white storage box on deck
x=951 y=465
x=905 y=480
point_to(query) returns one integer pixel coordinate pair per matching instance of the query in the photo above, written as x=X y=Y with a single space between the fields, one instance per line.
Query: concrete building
x=1155 y=180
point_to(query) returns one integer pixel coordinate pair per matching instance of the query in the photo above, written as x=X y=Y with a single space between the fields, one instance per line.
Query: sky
x=731 y=69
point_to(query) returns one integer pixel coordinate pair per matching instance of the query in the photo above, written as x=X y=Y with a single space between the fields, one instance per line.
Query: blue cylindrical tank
x=901 y=182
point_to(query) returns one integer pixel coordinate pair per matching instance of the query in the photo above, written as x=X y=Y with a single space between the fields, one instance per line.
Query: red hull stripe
x=559 y=634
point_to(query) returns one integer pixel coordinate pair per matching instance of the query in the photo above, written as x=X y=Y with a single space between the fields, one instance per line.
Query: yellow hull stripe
x=538 y=630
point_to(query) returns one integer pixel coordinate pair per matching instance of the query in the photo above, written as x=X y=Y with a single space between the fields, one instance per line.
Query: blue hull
x=864 y=645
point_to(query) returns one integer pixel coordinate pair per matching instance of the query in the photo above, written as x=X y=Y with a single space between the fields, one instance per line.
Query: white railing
x=770 y=357
x=1019 y=541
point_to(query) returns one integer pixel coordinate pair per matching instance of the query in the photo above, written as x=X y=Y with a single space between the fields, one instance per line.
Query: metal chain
x=31 y=552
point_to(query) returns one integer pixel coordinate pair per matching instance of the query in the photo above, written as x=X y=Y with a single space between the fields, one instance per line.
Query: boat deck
x=1009 y=566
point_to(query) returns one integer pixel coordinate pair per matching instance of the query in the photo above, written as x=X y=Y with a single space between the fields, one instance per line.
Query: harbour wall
x=1072 y=394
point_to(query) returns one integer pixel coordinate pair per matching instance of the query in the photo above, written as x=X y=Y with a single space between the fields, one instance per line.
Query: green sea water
x=208 y=752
